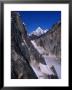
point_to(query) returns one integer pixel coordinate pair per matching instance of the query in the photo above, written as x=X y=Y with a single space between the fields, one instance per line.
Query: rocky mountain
x=23 y=52
x=26 y=61
x=49 y=46
x=51 y=40
x=38 y=32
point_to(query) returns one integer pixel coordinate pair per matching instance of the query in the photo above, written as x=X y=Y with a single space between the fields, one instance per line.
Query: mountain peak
x=39 y=31
x=39 y=28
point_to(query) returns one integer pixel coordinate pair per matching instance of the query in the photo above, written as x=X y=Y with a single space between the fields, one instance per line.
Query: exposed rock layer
x=24 y=54
x=51 y=41
x=22 y=51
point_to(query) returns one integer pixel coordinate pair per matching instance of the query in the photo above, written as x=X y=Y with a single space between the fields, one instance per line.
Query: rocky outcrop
x=26 y=61
x=23 y=52
x=51 y=41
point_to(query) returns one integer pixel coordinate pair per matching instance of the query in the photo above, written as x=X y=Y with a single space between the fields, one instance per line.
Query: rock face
x=49 y=46
x=27 y=61
x=51 y=41
x=23 y=52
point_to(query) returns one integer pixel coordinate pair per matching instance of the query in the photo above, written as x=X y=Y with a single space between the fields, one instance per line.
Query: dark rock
x=20 y=67
x=55 y=73
x=21 y=51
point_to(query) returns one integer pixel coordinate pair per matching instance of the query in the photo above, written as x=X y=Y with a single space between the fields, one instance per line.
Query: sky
x=43 y=19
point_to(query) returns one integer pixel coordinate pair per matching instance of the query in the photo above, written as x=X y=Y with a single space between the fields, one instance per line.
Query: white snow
x=39 y=49
x=41 y=70
x=53 y=61
x=50 y=60
x=45 y=69
x=38 y=32
x=23 y=23
x=45 y=30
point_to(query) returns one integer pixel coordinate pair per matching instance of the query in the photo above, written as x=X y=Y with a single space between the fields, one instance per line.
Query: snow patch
x=50 y=60
x=39 y=49
x=42 y=71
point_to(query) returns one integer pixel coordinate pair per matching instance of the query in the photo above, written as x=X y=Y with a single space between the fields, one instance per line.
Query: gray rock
x=51 y=41
x=21 y=51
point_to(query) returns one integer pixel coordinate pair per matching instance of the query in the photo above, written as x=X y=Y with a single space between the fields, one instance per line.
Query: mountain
x=23 y=53
x=51 y=40
x=38 y=32
x=49 y=46
x=26 y=60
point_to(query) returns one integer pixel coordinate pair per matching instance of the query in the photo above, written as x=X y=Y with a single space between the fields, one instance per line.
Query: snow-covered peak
x=39 y=31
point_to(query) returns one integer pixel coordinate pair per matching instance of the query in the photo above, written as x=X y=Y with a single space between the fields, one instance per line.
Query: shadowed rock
x=22 y=50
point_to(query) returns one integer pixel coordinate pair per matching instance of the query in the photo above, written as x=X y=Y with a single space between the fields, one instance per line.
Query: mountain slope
x=51 y=40
x=51 y=60
x=20 y=67
x=23 y=53
x=38 y=32
x=49 y=46
x=26 y=61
